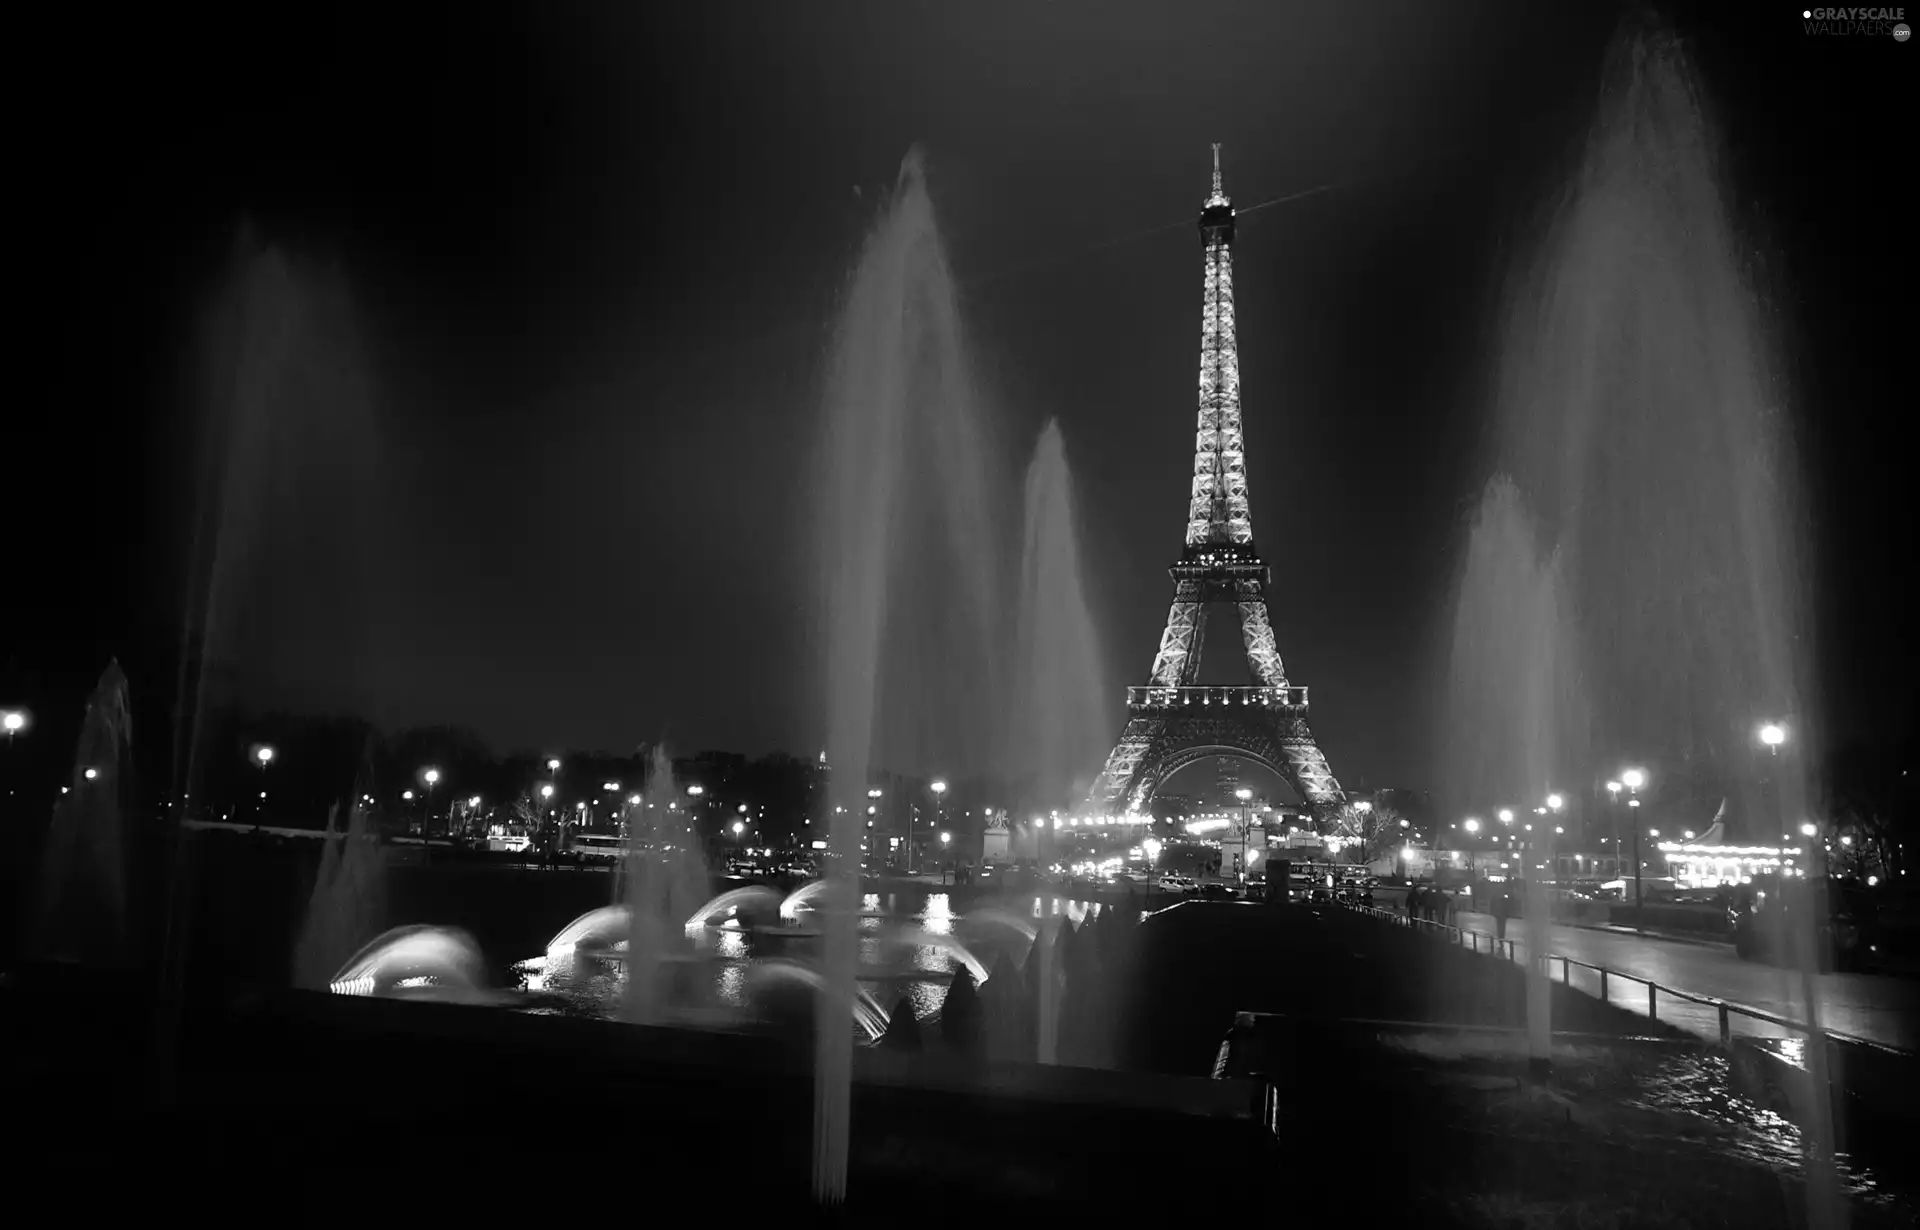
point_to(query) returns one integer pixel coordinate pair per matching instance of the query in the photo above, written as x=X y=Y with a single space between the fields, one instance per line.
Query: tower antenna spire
x=1216 y=169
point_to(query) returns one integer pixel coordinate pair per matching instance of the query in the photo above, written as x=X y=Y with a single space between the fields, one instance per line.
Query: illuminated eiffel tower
x=1172 y=721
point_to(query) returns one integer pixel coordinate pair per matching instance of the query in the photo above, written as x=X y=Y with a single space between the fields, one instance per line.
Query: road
x=1877 y=1007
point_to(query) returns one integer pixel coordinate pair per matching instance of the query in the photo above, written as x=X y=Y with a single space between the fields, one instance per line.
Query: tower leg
x=1178 y=661
x=1256 y=630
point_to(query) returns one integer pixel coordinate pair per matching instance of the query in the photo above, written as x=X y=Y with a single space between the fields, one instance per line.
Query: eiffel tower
x=1172 y=721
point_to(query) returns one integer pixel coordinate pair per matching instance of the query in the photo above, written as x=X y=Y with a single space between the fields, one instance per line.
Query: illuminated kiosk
x=1710 y=862
x=1697 y=864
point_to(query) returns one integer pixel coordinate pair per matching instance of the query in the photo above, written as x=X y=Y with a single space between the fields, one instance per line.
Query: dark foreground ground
x=1354 y=1096
x=1635 y=1126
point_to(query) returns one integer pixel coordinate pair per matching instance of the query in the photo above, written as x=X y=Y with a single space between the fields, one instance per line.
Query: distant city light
x=633 y=800
x=474 y=801
x=874 y=793
x=1613 y=787
x=1506 y=815
x=1806 y=830
x=1471 y=824
x=406 y=794
x=696 y=790
x=610 y=787
x=90 y=774
x=945 y=837
x=1556 y=802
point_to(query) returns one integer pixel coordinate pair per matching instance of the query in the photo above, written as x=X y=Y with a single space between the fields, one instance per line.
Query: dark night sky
x=592 y=250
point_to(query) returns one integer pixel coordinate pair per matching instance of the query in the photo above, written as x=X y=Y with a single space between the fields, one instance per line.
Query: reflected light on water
x=937 y=917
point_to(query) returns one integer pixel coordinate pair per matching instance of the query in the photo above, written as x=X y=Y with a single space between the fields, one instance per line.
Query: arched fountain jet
x=731 y=903
x=437 y=960
x=867 y=1012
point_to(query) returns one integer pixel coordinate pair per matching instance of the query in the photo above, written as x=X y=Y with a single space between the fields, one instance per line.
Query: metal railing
x=1725 y=1009
x=1181 y=698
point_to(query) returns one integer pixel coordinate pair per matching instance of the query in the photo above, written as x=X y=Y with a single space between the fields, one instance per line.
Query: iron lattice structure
x=1173 y=721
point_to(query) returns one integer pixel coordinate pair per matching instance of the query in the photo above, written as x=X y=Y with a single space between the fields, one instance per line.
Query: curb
x=1678 y=937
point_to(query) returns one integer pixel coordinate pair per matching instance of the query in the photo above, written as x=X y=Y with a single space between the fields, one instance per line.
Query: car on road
x=1178 y=884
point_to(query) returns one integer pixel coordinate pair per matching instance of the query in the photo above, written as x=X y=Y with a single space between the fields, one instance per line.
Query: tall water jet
x=663 y=882
x=1644 y=427
x=1062 y=725
x=345 y=908
x=907 y=572
x=288 y=498
x=1512 y=687
x=82 y=909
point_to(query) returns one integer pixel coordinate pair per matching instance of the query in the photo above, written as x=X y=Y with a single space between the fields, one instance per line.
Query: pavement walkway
x=1875 y=1007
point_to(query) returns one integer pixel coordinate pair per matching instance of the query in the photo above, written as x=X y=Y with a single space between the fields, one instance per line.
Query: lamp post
x=939 y=788
x=1633 y=779
x=1246 y=825
x=432 y=778
x=262 y=755
x=13 y=721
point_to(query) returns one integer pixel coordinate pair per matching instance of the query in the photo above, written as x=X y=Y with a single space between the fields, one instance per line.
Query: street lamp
x=432 y=777
x=1505 y=814
x=13 y=721
x=939 y=787
x=1772 y=734
x=1471 y=824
